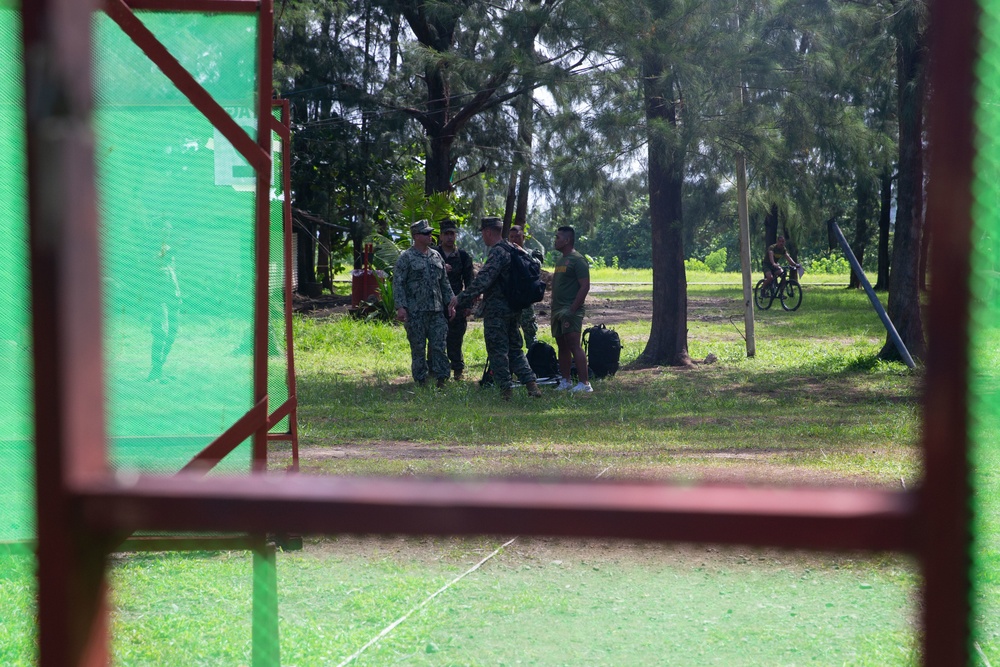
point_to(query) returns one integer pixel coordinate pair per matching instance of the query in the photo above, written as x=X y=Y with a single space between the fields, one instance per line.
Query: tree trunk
x=525 y=130
x=904 y=296
x=884 y=218
x=508 y=208
x=771 y=227
x=667 y=344
x=437 y=175
x=925 y=246
x=864 y=207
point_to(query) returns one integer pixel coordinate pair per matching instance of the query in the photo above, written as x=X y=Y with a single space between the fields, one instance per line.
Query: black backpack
x=543 y=361
x=524 y=284
x=604 y=349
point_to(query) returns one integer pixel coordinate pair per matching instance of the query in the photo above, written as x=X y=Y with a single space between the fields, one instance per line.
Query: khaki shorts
x=563 y=324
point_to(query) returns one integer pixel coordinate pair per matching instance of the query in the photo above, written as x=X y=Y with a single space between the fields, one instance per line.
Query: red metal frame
x=66 y=332
x=944 y=509
x=80 y=506
x=289 y=408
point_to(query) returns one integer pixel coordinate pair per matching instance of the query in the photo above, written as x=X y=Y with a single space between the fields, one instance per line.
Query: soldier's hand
x=452 y=304
x=401 y=314
x=451 y=311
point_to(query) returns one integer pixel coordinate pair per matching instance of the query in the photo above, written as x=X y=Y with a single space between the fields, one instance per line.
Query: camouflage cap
x=490 y=223
x=420 y=227
x=448 y=225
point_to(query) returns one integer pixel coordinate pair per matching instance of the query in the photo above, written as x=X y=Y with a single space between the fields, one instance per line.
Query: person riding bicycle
x=772 y=268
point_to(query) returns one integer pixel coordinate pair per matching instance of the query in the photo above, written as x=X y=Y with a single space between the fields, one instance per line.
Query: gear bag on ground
x=604 y=349
x=543 y=361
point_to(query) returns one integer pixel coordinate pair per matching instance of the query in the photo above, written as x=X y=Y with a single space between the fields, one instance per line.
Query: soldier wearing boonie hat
x=422 y=294
x=458 y=265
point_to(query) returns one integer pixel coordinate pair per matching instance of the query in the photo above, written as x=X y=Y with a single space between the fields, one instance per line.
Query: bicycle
x=785 y=288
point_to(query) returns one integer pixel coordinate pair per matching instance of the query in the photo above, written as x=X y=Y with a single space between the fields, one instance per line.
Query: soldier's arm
x=399 y=283
x=483 y=280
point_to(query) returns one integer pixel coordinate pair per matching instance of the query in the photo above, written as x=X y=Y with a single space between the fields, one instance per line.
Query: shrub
x=834 y=262
x=716 y=261
x=695 y=265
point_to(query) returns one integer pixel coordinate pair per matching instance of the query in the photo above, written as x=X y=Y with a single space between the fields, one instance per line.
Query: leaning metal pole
x=876 y=304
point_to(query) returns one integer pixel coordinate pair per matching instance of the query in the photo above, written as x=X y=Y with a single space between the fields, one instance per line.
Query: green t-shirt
x=779 y=254
x=566 y=280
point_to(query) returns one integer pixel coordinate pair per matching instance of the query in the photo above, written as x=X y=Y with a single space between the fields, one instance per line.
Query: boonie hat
x=491 y=223
x=421 y=227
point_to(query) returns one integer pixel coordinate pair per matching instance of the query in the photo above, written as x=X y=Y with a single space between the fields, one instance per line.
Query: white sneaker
x=583 y=387
x=563 y=385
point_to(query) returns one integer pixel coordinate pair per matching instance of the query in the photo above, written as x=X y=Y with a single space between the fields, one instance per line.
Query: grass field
x=813 y=407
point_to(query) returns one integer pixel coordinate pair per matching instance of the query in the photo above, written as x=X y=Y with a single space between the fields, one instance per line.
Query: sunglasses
x=424 y=233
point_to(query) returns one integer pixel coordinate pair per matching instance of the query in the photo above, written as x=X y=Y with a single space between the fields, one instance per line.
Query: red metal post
x=66 y=329
x=284 y=132
x=262 y=237
x=944 y=507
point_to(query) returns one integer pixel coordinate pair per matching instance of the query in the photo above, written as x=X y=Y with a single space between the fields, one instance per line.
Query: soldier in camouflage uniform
x=529 y=325
x=500 y=323
x=458 y=265
x=422 y=293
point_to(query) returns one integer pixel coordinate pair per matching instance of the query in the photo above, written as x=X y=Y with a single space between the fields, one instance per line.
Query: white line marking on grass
x=982 y=655
x=354 y=656
x=392 y=626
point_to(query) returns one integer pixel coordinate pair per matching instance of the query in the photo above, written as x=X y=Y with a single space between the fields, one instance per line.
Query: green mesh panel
x=277 y=366
x=985 y=343
x=177 y=213
x=16 y=450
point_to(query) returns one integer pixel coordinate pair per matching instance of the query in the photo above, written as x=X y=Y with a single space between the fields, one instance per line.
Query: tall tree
x=910 y=30
x=469 y=53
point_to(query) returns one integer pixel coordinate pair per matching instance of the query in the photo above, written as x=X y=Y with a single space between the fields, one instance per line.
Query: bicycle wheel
x=791 y=296
x=762 y=297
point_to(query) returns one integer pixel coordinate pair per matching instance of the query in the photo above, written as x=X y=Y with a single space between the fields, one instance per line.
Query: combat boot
x=533 y=390
x=507 y=394
x=441 y=382
x=458 y=376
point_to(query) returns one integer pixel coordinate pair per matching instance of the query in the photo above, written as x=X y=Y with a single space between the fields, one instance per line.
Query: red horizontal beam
x=225 y=6
x=833 y=519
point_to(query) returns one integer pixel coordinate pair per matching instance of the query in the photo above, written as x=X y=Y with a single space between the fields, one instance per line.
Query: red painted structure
x=82 y=509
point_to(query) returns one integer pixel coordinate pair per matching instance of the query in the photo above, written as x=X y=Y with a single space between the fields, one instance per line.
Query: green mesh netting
x=984 y=348
x=278 y=344
x=177 y=214
x=16 y=451
x=178 y=226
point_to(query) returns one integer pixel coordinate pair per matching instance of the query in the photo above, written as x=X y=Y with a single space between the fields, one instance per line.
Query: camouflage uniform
x=420 y=285
x=460 y=276
x=529 y=325
x=500 y=323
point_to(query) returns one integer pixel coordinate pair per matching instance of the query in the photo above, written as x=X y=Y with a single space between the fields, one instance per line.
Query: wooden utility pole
x=744 y=222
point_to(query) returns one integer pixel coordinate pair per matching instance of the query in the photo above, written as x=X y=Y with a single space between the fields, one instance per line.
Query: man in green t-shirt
x=772 y=261
x=570 y=284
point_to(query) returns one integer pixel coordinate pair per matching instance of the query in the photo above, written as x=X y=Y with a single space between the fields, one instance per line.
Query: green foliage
x=716 y=261
x=695 y=265
x=385 y=251
x=832 y=263
x=382 y=306
x=415 y=205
